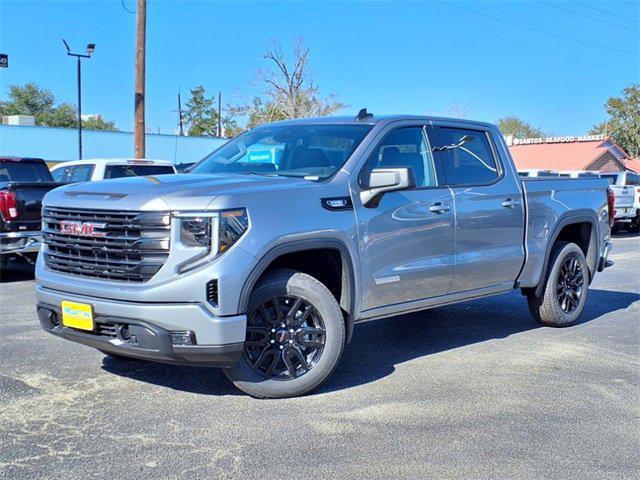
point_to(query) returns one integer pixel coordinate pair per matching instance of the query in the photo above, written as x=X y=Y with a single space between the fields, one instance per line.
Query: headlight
x=231 y=226
x=196 y=232
x=215 y=232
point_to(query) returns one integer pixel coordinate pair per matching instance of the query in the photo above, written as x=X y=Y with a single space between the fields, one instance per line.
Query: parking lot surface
x=476 y=390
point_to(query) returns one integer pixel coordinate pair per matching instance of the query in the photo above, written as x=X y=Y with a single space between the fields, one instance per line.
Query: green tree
x=64 y=115
x=230 y=126
x=623 y=123
x=201 y=116
x=30 y=99
x=518 y=128
x=98 y=123
x=260 y=111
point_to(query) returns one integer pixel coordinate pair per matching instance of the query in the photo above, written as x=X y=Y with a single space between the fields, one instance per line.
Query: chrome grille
x=132 y=246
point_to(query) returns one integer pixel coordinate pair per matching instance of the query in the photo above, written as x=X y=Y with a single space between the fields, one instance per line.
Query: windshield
x=312 y=151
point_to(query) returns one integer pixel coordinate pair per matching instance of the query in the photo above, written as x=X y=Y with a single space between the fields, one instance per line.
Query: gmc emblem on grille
x=83 y=229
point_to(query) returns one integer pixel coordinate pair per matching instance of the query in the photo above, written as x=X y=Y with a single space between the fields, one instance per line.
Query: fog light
x=186 y=337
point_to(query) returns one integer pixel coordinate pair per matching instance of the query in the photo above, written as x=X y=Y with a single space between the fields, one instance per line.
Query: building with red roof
x=589 y=152
x=634 y=164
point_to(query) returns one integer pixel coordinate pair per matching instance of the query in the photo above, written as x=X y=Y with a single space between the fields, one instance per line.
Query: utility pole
x=180 y=115
x=139 y=123
x=219 y=114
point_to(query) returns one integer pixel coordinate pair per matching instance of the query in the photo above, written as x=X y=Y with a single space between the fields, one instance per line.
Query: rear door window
x=80 y=173
x=61 y=175
x=466 y=156
x=119 y=171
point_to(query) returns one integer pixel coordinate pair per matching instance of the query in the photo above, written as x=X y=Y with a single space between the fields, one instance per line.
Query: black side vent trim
x=337 y=204
x=212 y=292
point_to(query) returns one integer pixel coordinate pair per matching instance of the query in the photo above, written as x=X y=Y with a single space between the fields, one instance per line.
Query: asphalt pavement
x=475 y=390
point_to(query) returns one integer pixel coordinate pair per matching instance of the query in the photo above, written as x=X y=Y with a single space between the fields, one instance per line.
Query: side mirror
x=383 y=180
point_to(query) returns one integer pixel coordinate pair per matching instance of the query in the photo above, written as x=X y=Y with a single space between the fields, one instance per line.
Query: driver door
x=407 y=240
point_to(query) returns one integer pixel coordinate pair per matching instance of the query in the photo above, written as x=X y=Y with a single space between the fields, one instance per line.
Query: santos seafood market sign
x=582 y=138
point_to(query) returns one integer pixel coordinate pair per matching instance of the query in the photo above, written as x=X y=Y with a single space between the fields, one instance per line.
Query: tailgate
x=29 y=202
x=624 y=195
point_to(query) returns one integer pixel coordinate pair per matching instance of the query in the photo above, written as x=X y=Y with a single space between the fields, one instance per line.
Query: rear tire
x=280 y=362
x=566 y=287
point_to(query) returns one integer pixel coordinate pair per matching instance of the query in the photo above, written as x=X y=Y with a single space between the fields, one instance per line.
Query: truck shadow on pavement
x=378 y=346
x=16 y=272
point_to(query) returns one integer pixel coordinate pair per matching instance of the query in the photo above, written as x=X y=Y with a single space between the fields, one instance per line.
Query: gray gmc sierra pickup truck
x=264 y=257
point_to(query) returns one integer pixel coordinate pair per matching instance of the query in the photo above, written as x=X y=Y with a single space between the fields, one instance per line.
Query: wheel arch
x=573 y=228
x=348 y=292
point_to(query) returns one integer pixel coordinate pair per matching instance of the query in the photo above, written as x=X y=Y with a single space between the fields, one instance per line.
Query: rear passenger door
x=488 y=204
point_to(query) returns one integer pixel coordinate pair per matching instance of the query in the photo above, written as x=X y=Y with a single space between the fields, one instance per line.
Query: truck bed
x=551 y=203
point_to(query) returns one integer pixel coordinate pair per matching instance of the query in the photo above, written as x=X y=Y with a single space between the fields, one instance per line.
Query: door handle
x=439 y=208
x=509 y=203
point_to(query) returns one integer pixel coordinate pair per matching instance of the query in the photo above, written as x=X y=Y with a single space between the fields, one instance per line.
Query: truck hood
x=165 y=192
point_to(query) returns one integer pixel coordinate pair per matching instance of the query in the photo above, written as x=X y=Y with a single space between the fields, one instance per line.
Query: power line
x=586 y=16
x=543 y=32
x=604 y=11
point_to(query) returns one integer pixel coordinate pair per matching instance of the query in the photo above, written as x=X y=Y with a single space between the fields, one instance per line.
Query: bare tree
x=288 y=89
x=289 y=86
x=458 y=110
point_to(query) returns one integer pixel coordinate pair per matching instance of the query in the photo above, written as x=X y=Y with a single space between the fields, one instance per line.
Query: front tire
x=566 y=287
x=295 y=337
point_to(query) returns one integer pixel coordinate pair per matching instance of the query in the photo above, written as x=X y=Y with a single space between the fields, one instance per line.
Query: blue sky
x=425 y=57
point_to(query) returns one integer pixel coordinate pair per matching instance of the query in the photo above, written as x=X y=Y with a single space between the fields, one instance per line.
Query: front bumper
x=143 y=330
x=20 y=242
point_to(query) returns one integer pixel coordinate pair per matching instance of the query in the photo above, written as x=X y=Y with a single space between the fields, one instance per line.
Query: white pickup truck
x=626 y=188
x=105 y=168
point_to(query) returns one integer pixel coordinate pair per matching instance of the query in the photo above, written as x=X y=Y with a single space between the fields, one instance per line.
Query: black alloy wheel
x=285 y=338
x=570 y=284
x=566 y=286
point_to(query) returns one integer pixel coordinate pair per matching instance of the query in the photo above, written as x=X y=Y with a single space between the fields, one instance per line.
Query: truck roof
x=21 y=159
x=373 y=120
x=115 y=161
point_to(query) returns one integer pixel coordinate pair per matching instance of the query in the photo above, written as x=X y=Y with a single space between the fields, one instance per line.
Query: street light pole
x=90 y=49
x=79 y=110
